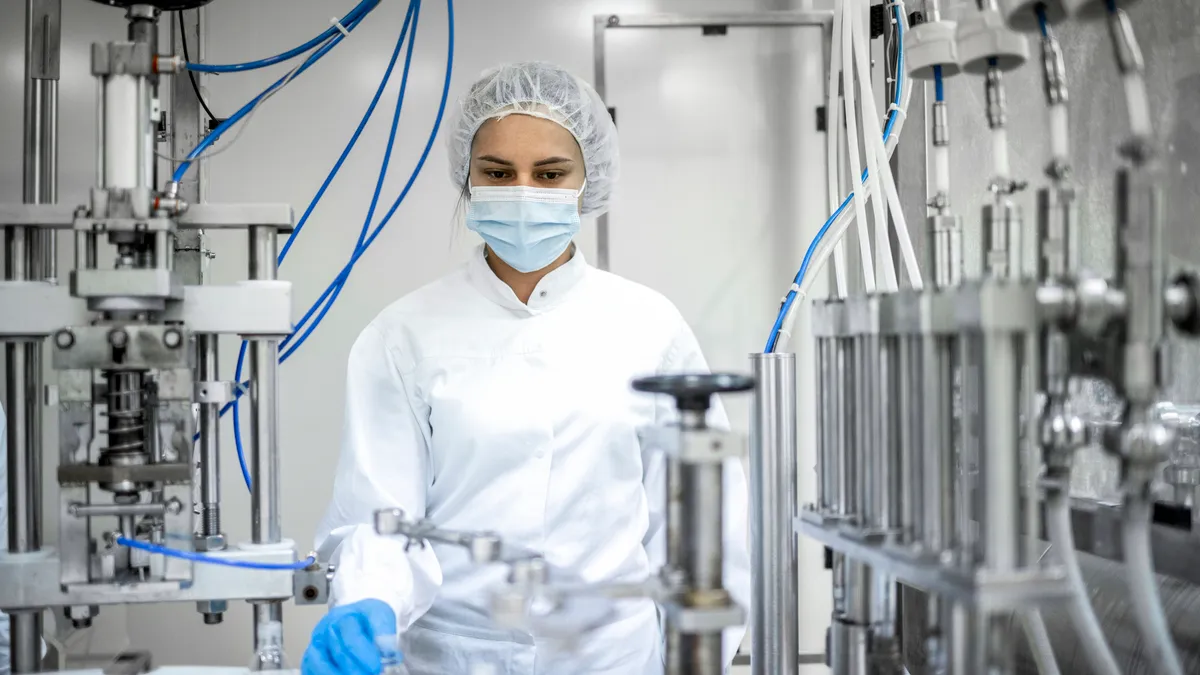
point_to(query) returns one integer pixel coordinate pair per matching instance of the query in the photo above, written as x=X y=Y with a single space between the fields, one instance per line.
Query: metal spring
x=126 y=412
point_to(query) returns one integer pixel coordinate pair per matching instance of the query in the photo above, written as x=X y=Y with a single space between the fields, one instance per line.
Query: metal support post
x=264 y=449
x=187 y=127
x=31 y=255
x=703 y=563
x=210 y=438
x=773 y=551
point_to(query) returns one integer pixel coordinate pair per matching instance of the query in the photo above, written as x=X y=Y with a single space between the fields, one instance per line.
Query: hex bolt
x=172 y=338
x=64 y=339
x=118 y=338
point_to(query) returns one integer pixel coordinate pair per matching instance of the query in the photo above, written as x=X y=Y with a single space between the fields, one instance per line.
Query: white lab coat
x=469 y=408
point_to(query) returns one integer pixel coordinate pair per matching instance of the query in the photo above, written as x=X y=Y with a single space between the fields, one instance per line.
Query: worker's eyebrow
x=494 y=160
x=552 y=160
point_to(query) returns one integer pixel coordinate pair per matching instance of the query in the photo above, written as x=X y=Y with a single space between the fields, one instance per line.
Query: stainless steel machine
x=132 y=345
x=948 y=429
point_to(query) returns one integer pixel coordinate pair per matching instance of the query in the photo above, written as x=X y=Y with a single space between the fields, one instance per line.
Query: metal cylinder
x=268 y=636
x=941 y=124
x=264 y=405
x=23 y=384
x=910 y=405
x=1002 y=239
x=702 y=530
x=944 y=255
x=265 y=526
x=773 y=499
x=848 y=450
x=48 y=182
x=702 y=526
x=210 y=439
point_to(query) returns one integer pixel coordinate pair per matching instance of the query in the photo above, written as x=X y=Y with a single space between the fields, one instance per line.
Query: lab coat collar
x=551 y=291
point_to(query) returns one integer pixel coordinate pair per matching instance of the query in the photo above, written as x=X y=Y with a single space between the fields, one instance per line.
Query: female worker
x=498 y=398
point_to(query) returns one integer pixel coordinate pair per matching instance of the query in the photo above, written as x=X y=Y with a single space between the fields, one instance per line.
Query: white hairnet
x=547 y=91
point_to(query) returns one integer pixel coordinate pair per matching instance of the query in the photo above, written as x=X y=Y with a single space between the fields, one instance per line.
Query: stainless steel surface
x=246 y=308
x=61 y=216
x=757 y=19
x=188 y=124
x=1109 y=594
x=35 y=582
x=990 y=592
x=237 y=216
x=35 y=308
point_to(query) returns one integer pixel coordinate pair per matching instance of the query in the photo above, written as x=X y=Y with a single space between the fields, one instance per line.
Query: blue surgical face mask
x=528 y=227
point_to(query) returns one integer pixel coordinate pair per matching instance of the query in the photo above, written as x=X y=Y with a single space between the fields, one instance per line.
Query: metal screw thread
x=212 y=519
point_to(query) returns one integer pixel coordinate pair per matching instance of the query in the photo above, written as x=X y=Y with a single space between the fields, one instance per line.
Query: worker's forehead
x=517 y=137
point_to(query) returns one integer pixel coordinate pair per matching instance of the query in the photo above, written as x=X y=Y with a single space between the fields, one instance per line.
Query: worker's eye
x=496 y=174
x=552 y=176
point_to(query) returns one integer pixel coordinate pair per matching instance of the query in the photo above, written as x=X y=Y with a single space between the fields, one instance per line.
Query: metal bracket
x=154 y=347
x=989 y=592
x=311 y=585
x=245 y=308
x=31 y=581
x=35 y=309
x=237 y=216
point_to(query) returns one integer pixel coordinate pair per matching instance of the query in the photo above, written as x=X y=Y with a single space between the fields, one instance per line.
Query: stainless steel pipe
x=264 y=446
x=701 y=532
x=210 y=438
x=23 y=386
x=264 y=404
x=773 y=499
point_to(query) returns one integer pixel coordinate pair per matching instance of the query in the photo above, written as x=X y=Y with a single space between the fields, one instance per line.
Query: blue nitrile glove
x=343 y=643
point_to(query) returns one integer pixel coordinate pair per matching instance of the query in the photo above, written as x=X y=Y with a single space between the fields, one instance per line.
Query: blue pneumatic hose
x=182 y=169
x=360 y=10
x=345 y=273
x=790 y=297
x=414 y=9
x=209 y=560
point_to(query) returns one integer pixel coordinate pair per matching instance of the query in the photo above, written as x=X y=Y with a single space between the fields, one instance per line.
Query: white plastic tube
x=1001 y=167
x=833 y=150
x=1039 y=642
x=886 y=271
x=1138 y=103
x=860 y=190
x=1083 y=615
x=1143 y=592
x=1060 y=148
x=833 y=237
x=121 y=132
x=882 y=170
x=941 y=169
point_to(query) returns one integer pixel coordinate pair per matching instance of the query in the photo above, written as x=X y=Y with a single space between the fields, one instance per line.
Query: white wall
x=723 y=188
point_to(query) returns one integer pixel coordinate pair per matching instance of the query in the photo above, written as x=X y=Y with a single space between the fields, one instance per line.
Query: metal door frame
x=774 y=19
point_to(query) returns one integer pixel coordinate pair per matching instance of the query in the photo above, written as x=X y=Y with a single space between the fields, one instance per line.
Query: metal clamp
x=703 y=619
x=214 y=392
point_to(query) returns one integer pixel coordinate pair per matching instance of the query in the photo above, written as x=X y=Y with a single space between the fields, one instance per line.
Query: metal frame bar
x=605 y=22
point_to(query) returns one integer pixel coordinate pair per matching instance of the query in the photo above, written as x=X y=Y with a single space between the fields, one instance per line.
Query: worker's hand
x=343 y=643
